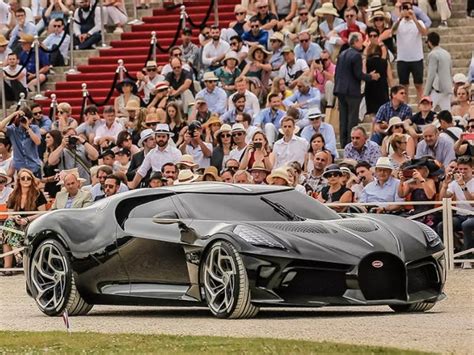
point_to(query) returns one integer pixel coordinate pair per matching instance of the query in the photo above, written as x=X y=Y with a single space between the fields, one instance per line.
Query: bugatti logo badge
x=377 y=264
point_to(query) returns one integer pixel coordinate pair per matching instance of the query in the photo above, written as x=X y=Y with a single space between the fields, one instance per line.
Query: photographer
x=465 y=144
x=25 y=137
x=195 y=146
x=74 y=152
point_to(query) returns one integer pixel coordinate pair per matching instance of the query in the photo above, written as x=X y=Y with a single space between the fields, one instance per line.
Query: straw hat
x=211 y=170
x=212 y=120
x=375 y=5
x=279 y=173
x=326 y=9
x=4 y=175
x=73 y=171
x=132 y=105
x=230 y=55
x=315 y=112
x=459 y=78
x=144 y=135
x=395 y=120
x=186 y=176
x=210 y=76
x=254 y=48
x=3 y=41
x=238 y=127
x=278 y=36
x=26 y=38
x=151 y=64
x=378 y=14
x=384 y=163
x=187 y=160
x=258 y=166
x=224 y=128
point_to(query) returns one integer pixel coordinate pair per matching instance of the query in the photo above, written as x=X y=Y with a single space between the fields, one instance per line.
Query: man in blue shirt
x=256 y=35
x=270 y=118
x=25 y=138
x=26 y=42
x=58 y=58
x=395 y=107
x=383 y=189
x=317 y=126
x=22 y=27
x=306 y=49
x=215 y=97
x=239 y=107
x=305 y=97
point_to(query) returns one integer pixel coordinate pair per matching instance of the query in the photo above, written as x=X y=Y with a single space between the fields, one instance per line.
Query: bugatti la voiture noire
x=232 y=248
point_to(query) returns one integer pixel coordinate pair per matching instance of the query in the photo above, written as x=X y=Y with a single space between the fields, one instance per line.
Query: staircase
x=97 y=67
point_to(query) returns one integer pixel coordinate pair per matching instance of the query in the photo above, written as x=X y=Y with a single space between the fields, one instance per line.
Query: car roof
x=224 y=188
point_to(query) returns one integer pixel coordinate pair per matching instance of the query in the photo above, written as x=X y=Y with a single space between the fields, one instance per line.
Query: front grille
x=358 y=225
x=310 y=282
x=423 y=277
x=297 y=227
x=382 y=276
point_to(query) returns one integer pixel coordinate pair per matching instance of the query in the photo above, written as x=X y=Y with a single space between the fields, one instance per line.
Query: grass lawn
x=61 y=342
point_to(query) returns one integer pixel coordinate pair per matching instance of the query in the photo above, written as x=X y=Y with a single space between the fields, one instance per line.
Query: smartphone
x=257 y=145
x=407 y=174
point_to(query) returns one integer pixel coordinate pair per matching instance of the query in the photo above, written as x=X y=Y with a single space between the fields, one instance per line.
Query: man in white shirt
x=251 y=101
x=147 y=83
x=58 y=58
x=293 y=68
x=86 y=25
x=290 y=147
x=108 y=132
x=14 y=86
x=214 y=51
x=215 y=97
x=195 y=146
x=238 y=136
x=409 y=33
x=159 y=156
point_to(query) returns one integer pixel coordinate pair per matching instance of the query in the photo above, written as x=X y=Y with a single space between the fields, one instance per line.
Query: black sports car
x=234 y=248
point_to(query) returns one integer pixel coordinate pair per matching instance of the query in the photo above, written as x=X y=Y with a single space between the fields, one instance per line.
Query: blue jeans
x=464 y=224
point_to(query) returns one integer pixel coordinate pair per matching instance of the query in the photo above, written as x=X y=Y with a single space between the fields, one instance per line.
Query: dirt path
x=447 y=328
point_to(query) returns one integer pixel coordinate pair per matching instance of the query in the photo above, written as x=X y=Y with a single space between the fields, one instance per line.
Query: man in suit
x=73 y=197
x=347 y=85
x=438 y=83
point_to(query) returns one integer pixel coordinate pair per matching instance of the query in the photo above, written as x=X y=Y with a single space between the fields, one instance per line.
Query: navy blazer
x=349 y=74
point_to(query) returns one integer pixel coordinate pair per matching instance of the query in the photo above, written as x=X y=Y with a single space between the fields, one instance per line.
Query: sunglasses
x=61 y=112
x=314 y=118
x=263 y=6
x=373 y=36
x=109 y=186
x=149 y=124
x=36 y=113
x=470 y=127
x=226 y=135
x=239 y=13
x=379 y=19
x=3 y=181
x=330 y=175
x=210 y=81
x=26 y=178
x=232 y=168
x=237 y=134
x=255 y=26
x=57 y=26
x=304 y=40
x=175 y=68
x=176 y=54
x=397 y=126
x=304 y=14
x=151 y=69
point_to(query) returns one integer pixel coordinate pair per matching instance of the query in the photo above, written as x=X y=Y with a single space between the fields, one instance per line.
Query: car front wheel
x=52 y=280
x=225 y=282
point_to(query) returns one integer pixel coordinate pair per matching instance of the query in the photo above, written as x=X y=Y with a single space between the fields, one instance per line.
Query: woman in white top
x=128 y=90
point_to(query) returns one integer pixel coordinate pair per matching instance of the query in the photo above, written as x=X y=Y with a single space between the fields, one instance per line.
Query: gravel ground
x=447 y=328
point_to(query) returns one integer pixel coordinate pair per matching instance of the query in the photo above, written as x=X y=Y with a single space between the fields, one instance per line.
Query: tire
x=225 y=283
x=52 y=281
x=413 y=307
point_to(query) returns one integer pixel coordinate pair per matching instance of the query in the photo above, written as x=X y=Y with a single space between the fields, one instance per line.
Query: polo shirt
x=387 y=111
x=388 y=192
x=261 y=37
x=25 y=151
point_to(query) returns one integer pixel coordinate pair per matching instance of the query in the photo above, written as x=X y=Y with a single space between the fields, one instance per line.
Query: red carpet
x=133 y=49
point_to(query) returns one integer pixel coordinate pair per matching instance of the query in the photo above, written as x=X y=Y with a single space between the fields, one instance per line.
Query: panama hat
x=163 y=128
x=73 y=171
x=459 y=78
x=287 y=49
x=378 y=14
x=3 y=41
x=151 y=64
x=375 y=5
x=187 y=160
x=212 y=120
x=132 y=105
x=144 y=135
x=3 y=174
x=26 y=38
x=210 y=76
x=230 y=55
x=326 y=9
x=279 y=173
x=384 y=163
x=315 y=112
x=238 y=127
x=186 y=176
x=254 y=48
x=333 y=168
x=127 y=81
x=212 y=171
x=259 y=166
x=277 y=36
x=224 y=128
x=395 y=120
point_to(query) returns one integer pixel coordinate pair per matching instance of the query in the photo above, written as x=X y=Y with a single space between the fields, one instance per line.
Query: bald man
x=438 y=146
x=72 y=196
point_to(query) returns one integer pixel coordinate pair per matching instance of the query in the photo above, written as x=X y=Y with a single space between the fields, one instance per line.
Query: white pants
x=441 y=99
x=442 y=12
x=115 y=16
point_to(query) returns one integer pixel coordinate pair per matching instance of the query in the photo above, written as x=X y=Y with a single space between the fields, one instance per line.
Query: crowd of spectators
x=261 y=102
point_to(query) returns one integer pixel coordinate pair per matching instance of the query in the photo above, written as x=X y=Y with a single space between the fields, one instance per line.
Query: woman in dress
x=53 y=140
x=376 y=91
x=334 y=191
x=258 y=70
x=382 y=23
x=128 y=90
x=25 y=197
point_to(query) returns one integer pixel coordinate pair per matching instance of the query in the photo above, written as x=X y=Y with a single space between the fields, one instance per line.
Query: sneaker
x=466 y=265
x=443 y=24
x=118 y=30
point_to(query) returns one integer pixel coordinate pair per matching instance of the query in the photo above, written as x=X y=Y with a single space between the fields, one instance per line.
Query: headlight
x=432 y=238
x=257 y=237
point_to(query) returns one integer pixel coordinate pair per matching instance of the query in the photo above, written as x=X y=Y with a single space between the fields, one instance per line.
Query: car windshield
x=241 y=207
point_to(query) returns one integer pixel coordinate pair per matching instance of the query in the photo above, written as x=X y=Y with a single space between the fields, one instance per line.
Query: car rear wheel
x=414 y=307
x=226 y=284
x=52 y=281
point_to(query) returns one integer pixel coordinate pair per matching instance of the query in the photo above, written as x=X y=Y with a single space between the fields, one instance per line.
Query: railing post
x=53 y=106
x=448 y=232
x=183 y=16
x=120 y=69
x=85 y=93
x=216 y=13
x=22 y=100
x=36 y=47
x=2 y=87
x=72 y=69
x=104 y=44
x=153 y=44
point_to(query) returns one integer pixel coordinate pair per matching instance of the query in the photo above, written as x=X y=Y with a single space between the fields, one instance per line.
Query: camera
x=73 y=141
x=257 y=145
x=193 y=126
x=23 y=119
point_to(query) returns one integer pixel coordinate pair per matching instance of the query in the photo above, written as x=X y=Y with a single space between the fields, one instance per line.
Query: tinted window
x=252 y=208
